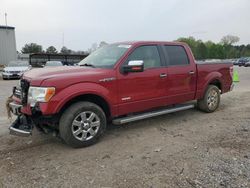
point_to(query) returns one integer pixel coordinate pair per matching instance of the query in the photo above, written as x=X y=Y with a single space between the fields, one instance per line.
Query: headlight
x=40 y=94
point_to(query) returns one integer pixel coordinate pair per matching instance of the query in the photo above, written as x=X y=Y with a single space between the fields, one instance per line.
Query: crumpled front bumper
x=23 y=125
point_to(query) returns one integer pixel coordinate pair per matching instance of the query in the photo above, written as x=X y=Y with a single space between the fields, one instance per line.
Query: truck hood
x=66 y=74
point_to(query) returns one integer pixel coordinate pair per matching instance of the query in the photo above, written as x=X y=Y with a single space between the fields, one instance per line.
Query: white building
x=7 y=45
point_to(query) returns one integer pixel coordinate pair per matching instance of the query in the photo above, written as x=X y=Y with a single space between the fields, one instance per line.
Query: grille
x=24 y=84
x=14 y=72
x=17 y=92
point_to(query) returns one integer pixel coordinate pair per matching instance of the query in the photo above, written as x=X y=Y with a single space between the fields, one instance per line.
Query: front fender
x=63 y=96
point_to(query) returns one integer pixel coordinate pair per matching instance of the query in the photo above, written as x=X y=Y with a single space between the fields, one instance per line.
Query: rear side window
x=176 y=55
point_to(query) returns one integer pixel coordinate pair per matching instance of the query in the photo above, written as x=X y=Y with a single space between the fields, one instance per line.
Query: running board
x=145 y=115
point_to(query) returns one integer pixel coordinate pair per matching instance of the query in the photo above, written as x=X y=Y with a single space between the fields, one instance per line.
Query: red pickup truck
x=118 y=83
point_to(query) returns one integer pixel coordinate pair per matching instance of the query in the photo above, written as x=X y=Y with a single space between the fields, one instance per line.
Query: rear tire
x=82 y=124
x=211 y=100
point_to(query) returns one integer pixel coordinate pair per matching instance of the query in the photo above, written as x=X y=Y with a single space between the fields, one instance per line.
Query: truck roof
x=150 y=42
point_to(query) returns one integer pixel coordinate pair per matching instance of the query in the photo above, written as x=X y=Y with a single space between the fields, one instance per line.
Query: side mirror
x=133 y=66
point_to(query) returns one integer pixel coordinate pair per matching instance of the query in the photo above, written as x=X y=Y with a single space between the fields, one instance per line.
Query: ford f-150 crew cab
x=118 y=83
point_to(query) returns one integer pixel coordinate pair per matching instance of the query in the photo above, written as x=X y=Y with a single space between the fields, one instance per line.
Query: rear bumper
x=232 y=87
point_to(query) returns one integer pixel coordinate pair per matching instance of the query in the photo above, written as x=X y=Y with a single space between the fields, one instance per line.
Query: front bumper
x=23 y=125
x=15 y=108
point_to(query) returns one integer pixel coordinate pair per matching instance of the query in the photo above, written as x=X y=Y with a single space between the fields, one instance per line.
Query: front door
x=140 y=91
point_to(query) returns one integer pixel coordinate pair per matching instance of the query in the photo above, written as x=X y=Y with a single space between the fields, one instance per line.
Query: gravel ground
x=184 y=149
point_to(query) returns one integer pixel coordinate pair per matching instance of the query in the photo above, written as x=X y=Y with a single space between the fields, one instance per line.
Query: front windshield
x=105 y=57
x=18 y=64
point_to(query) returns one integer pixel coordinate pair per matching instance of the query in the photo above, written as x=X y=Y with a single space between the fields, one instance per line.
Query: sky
x=77 y=24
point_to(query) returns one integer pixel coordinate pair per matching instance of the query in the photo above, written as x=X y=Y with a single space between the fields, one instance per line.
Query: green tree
x=192 y=43
x=32 y=48
x=229 y=40
x=65 y=50
x=201 y=50
x=247 y=51
x=51 y=50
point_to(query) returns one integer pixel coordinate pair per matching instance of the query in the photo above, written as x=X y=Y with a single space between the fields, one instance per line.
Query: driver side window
x=149 y=55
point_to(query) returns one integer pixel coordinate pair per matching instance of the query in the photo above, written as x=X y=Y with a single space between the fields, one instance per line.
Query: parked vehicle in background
x=247 y=64
x=117 y=83
x=39 y=59
x=68 y=63
x=236 y=62
x=53 y=64
x=15 y=69
x=242 y=61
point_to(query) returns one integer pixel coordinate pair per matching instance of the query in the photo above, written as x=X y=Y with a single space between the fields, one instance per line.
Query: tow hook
x=22 y=126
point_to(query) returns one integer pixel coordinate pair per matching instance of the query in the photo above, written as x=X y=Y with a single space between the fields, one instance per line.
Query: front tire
x=82 y=124
x=211 y=100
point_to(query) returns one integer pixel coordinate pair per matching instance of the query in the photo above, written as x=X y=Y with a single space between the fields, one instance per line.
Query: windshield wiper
x=88 y=65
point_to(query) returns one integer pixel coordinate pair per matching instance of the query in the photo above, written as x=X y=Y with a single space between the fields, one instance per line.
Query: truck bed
x=220 y=70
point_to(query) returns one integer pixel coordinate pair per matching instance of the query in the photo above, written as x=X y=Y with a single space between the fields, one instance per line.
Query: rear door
x=140 y=91
x=181 y=82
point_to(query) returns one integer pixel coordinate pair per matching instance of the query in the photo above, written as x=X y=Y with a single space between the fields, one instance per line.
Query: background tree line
x=36 y=48
x=225 y=49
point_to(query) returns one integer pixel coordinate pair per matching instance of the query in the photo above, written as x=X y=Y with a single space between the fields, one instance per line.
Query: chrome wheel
x=212 y=99
x=85 y=126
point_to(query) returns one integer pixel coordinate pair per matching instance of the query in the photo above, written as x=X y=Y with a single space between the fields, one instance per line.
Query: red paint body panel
x=181 y=85
x=132 y=92
x=143 y=89
x=210 y=72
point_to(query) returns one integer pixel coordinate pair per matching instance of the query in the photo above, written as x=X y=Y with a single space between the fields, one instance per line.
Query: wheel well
x=90 y=98
x=216 y=83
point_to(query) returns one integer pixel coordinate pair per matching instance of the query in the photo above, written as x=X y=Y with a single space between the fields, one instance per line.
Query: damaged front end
x=28 y=117
x=23 y=125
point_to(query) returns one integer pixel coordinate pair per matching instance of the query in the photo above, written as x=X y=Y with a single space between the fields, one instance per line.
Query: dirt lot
x=184 y=149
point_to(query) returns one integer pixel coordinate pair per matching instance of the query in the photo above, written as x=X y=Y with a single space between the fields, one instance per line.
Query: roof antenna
x=5 y=15
x=63 y=39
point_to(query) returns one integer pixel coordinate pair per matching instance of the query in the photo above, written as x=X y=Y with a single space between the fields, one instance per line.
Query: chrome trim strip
x=19 y=132
x=126 y=98
x=107 y=79
x=15 y=108
x=15 y=105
